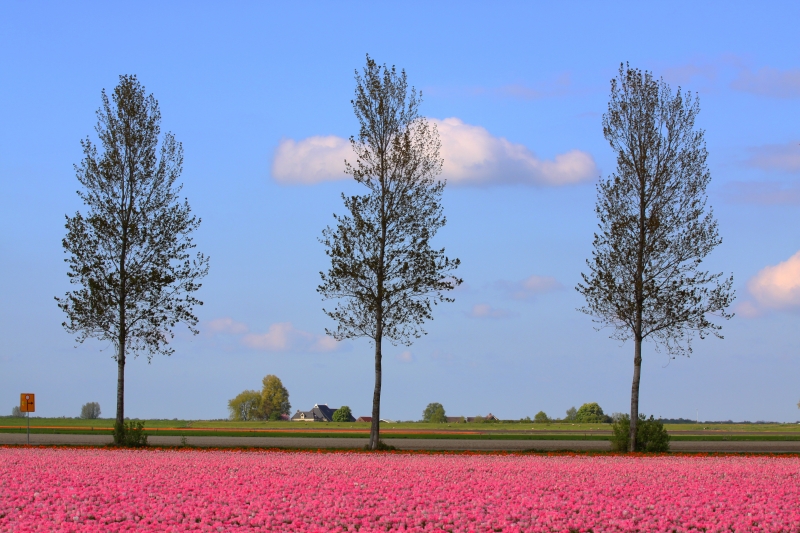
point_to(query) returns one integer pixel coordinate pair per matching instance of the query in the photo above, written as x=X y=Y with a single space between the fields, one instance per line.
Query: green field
x=404 y=430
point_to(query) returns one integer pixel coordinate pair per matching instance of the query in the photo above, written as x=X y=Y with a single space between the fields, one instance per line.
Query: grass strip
x=433 y=436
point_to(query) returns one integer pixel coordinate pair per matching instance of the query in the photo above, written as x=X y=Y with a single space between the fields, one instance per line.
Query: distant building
x=319 y=413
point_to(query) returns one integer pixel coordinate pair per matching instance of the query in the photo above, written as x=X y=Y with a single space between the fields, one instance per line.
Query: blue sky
x=259 y=95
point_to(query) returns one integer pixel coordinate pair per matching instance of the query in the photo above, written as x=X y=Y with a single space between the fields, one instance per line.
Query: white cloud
x=284 y=337
x=226 y=325
x=776 y=287
x=530 y=287
x=312 y=160
x=405 y=357
x=472 y=156
x=769 y=81
x=487 y=311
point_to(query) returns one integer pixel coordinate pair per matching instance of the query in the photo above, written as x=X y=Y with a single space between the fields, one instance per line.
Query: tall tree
x=130 y=253
x=644 y=278
x=384 y=272
x=274 y=398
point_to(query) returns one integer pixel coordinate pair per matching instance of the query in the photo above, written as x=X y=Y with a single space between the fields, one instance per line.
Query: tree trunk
x=637 y=370
x=120 y=392
x=374 y=433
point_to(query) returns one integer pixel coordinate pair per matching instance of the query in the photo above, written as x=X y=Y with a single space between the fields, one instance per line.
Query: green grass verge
x=435 y=436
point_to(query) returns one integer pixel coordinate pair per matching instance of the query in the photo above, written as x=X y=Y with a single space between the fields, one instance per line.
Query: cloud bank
x=472 y=156
x=775 y=288
x=280 y=337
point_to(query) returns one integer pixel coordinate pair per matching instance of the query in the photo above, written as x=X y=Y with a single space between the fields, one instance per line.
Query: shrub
x=90 y=410
x=650 y=434
x=343 y=414
x=130 y=434
x=541 y=418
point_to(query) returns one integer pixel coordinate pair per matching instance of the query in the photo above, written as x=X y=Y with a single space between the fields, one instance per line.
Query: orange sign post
x=27 y=404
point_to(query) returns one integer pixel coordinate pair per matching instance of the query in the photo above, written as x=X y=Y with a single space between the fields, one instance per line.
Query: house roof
x=319 y=413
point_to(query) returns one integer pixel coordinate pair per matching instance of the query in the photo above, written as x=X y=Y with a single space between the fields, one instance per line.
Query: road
x=405 y=444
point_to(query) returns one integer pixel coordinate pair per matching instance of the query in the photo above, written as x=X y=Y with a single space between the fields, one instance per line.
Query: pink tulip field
x=85 y=489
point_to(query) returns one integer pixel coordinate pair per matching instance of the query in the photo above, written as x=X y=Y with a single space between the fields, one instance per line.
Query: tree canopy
x=90 y=410
x=591 y=413
x=245 y=406
x=268 y=404
x=343 y=414
x=274 y=398
x=434 y=413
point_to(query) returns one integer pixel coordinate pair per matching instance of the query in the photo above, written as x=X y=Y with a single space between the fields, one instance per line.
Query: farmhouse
x=319 y=413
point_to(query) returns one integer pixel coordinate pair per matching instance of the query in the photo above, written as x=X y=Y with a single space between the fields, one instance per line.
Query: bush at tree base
x=130 y=434
x=650 y=434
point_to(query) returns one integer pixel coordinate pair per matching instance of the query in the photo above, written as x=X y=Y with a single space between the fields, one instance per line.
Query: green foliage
x=343 y=414
x=526 y=419
x=651 y=436
x=90 y=410
x=541 y=418
x=434 y=413
x=274 y=399
x=572 y=413
x=15 y=411
x=478 y=420
x=246 y=406
x=130 y=434
x=591 y=413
